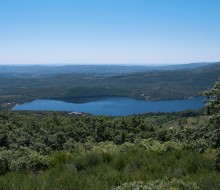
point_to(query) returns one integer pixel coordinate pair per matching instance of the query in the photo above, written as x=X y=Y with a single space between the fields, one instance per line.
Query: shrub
x=93 y=159
x=5 y=161
x=106 y=157
x=217 y=163
x=164 y=184
x=59 y=157
x=29 y=160
x=120 y=163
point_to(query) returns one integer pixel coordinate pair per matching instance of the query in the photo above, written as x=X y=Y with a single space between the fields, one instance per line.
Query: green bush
x=5 y=161
x=106 y=157
x=89 y=160
x=29 y=160
x=93 y=159
x=59 y=157
x=164 y=184
x=217 y=163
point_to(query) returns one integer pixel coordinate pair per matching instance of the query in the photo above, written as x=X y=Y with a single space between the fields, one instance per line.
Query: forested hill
x=154 y=85
x=179 y=84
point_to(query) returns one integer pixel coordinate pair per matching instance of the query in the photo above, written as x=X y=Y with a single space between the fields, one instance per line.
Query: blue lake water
x=114 y=106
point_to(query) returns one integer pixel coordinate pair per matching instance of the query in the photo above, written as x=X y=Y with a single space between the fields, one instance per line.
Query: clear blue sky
x=109 y=31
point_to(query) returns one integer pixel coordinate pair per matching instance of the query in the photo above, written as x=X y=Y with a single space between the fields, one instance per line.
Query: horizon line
x=106 y=64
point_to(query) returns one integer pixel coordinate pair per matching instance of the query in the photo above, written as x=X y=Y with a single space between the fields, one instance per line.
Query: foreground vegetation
x=50 y=150
x=44 y=150
x=127 y=167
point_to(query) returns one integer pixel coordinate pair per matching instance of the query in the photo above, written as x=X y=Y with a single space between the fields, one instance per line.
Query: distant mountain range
x=38 y=70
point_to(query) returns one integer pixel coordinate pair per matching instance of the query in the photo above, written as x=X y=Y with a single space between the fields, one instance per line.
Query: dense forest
x=55 y=150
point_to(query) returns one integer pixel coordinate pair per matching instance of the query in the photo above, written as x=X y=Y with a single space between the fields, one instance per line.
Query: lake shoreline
x=113 y=106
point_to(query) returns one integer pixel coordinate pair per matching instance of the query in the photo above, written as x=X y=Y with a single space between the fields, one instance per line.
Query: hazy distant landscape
x=40 y=70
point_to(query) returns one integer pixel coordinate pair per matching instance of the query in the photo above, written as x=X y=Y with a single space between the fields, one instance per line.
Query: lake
x=114 y=106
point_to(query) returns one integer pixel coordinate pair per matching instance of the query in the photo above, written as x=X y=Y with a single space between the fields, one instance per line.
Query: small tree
x=213 y=103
